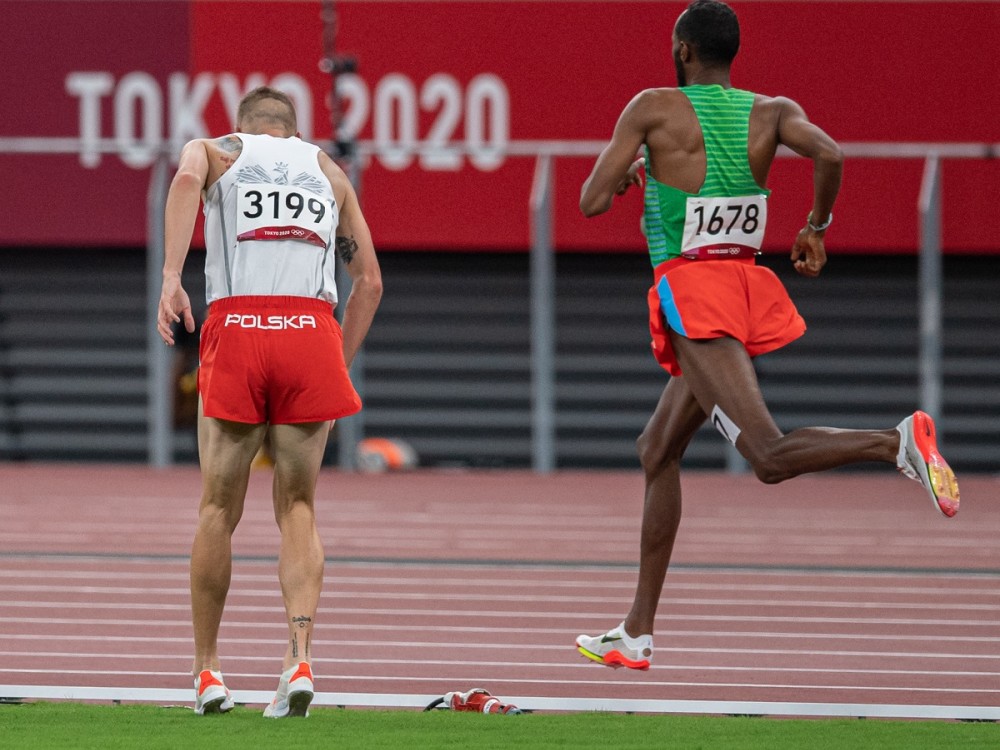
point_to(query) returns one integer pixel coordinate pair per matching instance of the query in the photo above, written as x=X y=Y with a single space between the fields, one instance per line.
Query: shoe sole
x=215 y=706
x=942 y=485
x=614 y=659
x=298 y=703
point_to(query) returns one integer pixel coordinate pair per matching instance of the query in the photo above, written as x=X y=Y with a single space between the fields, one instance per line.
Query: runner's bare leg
x=298 y=455
x=225 y=451
x=674 y=422
x=720 y=373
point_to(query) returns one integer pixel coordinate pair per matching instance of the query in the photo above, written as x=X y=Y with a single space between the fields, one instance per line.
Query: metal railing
x=543 y=334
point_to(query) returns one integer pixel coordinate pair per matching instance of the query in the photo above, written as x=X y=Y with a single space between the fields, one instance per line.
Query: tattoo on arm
x=230 y=143
x=346 y=248
x=231 y=148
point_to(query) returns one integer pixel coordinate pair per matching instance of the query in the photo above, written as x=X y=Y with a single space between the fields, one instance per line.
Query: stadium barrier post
x=931 y=348
x=159 y=389
x=542 y=272
x=349 y=429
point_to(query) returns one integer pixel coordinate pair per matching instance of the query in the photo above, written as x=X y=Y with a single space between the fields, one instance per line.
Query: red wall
x=864 y=71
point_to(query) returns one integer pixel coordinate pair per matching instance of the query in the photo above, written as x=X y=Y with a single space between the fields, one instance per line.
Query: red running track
x=836 y=589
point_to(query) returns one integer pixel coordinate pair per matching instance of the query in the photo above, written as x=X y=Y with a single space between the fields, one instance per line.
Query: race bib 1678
x=724 y=227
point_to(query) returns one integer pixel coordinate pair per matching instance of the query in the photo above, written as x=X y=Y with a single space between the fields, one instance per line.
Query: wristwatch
x=821 y=227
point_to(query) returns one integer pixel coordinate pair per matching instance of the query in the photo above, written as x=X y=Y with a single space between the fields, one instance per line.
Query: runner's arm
x=617 y=168
x=801 y=136
x=183 y=200
x=353 y=244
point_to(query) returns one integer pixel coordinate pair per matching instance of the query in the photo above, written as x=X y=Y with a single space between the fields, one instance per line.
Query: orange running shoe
x=918 y=458
x=211 y=696
x=616 y=648
x=294 y=694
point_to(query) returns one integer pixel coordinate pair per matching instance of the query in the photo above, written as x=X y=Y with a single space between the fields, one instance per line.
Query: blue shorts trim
x=669 y=306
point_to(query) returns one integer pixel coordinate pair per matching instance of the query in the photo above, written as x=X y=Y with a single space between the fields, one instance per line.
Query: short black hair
x=710 y=26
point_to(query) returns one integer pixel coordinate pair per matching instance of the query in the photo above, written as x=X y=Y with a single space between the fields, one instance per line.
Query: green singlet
x=710 y=223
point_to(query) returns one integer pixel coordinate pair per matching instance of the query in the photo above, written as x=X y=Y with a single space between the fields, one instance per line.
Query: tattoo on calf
x=301 y=622
x=346 y=248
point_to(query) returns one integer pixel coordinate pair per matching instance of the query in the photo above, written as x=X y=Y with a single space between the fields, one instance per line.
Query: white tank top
x=269 y=223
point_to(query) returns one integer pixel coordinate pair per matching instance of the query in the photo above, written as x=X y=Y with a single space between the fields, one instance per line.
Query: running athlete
x=273 y=360
x=707 y=151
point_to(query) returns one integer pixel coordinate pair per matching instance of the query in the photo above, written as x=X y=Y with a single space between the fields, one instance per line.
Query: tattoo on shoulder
x=230 y=149
x=346 y=248
x=230 y=143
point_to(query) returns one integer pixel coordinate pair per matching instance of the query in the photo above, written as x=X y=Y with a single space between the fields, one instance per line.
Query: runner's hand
x=809 y=253
x=633 y=176
x=174 y=305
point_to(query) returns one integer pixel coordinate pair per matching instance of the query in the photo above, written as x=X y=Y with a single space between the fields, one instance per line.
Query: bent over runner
x=273 y=359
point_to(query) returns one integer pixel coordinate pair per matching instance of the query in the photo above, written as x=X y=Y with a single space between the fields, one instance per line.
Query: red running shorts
x=274 y=359
x=709 y=299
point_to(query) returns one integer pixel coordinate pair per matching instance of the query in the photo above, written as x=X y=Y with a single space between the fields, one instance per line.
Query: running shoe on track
x=478 y=701
x=211 y=696
x=295 y=693
x=617 y=649
x=919 y=459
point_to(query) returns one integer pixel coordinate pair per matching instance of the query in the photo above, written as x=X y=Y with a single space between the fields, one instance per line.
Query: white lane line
x=450 y=645
x=663 y=683
x=185 y=623
x=230 y=676
x=319 y=662
x=673 y=683
x=612 y=568
x=538 y=703
x=509 y=598
x=496 y=614
x=502 y=578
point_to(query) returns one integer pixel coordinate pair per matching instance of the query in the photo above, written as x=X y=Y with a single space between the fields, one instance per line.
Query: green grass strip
x=76 y=725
